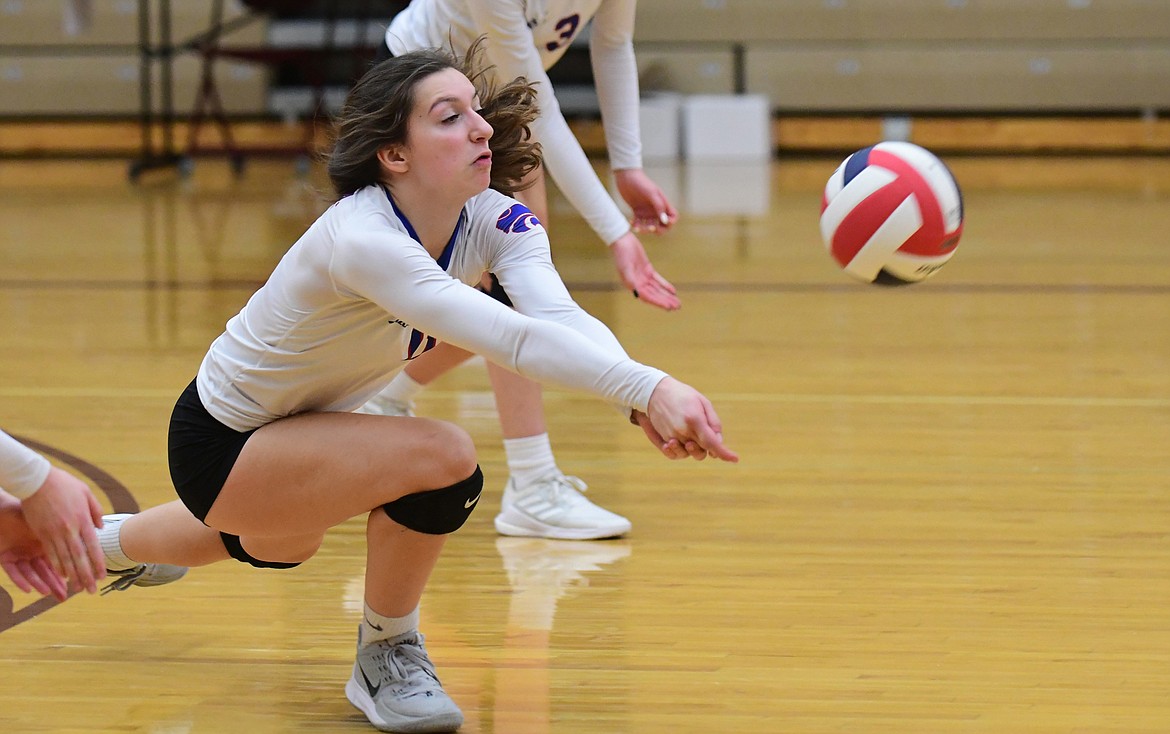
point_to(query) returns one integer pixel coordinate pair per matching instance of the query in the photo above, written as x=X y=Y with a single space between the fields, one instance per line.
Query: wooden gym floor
x=951 y=513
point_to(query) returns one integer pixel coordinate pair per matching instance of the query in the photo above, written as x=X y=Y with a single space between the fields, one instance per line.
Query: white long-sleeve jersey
x=22 y=470
x=526 y=38
x=358 y=296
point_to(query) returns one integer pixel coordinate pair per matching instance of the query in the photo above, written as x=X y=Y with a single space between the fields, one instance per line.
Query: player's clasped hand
x=682 y=423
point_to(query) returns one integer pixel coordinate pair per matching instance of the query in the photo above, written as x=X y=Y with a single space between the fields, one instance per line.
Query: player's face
x=447 y=139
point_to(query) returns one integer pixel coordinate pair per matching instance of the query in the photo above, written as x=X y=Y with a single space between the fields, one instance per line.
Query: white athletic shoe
x=380 y=405
x=394 y=684
x=555 y=507
x=144 y=574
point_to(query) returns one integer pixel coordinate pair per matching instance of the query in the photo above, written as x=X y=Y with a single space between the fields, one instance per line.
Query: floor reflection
x=540 y=573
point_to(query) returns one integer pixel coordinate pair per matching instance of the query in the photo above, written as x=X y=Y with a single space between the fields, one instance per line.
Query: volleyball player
x=526 y=38
x=266 y=452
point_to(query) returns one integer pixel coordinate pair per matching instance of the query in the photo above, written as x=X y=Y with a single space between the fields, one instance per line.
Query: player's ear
x=393 y=159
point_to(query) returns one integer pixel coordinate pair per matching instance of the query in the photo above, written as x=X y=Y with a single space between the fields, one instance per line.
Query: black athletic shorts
x=202 y=452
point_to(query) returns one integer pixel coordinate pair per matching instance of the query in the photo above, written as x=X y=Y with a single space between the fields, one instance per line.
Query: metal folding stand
x=154 y=123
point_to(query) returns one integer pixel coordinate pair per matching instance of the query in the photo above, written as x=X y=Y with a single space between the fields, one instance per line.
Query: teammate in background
x=526 y=38
x=265 y=450
x=48 y=521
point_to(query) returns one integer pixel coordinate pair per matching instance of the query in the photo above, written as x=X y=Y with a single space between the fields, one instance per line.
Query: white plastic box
x=726 y=128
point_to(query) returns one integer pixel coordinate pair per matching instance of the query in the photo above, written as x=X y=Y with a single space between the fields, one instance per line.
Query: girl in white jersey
x=265 y=451
x=526 y=38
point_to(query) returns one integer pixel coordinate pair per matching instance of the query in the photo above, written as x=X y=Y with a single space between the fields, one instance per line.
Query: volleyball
x=891 y=214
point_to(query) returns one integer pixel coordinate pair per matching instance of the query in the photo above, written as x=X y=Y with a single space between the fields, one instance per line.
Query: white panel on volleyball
x=882 y=247
x=902 y=223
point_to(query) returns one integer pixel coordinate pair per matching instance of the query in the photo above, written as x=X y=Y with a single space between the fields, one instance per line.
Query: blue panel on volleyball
x=857 y=163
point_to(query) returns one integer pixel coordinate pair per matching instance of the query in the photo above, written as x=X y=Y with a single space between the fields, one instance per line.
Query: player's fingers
x=93 y=551
x=712 y=440
x=695 y=451
x=95 y=511
x=83 y=570
x=16 y=573
x=663 y=283
x=674 y=450
x=52 y=583
x=711 y=417
x=652 y=283
x=65 y=565
x=655 y=296
x=718 y=450
x=54 y=558
x=671 y=212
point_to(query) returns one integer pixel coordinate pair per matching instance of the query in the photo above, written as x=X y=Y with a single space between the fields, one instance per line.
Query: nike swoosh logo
x=373 y=689
x=471 y=502
x=372 y=624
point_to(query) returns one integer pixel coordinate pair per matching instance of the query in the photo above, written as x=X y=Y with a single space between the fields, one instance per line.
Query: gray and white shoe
x=143 y=574
x=394 y=684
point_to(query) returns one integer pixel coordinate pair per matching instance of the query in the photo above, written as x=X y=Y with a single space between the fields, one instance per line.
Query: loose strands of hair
x=377 y=109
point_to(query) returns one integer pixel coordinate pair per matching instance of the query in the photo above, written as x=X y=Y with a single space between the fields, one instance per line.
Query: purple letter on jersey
x=517 y=219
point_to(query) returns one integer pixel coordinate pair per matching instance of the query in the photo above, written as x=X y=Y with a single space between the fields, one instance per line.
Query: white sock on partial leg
x=530 y=458
x=377 y=627
x=403 y=389
x=110 y=539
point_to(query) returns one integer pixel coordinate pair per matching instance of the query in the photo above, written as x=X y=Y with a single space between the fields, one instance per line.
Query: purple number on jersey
x=570 y=27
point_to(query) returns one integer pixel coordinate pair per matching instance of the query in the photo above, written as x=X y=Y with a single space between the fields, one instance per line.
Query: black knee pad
x=236 y=550
x=438 y=511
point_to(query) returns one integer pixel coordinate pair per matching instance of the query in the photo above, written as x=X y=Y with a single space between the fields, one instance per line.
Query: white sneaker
x=144 y=574
x=554 y=507
x=394 y=684
x=381 y=405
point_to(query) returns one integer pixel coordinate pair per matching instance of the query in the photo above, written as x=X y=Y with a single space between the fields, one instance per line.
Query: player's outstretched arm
x=681 y=422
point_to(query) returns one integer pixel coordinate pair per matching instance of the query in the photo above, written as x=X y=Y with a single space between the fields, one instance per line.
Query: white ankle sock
x=403 y=389
x=530 y=458
x=376 y=627
x=110 y=539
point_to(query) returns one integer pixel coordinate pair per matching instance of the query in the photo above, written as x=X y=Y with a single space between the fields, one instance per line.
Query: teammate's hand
x=639 y=276
x=30 y=571
x=653 y=212
x=21 y=555
x=63 y=515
